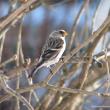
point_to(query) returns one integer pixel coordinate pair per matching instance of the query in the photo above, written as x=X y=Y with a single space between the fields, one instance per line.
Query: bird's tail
x=35 y=69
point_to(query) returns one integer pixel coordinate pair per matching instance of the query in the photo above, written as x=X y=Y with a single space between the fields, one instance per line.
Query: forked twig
x=15 y=94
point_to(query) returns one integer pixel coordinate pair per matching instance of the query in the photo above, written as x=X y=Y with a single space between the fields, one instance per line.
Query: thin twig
x=13 y=58
x=1 y=46
x=72 y=37
x=108 y=71
x=18 y=61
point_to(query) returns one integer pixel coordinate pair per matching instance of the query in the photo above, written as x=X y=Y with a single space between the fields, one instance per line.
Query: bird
x=52 y=51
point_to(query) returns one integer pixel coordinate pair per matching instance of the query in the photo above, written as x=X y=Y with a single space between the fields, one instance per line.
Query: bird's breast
x=61 y=52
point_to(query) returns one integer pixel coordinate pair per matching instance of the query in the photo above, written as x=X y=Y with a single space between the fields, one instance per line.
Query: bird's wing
x=52 y=48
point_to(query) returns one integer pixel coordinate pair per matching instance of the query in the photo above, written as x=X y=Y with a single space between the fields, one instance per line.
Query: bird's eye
x=63 y=33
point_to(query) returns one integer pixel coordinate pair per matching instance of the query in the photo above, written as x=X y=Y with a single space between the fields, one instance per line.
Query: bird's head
x=59 y=33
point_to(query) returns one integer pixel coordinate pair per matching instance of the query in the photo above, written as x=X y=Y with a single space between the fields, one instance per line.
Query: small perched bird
x=52 y=51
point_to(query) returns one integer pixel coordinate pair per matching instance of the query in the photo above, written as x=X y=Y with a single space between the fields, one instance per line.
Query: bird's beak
x=65 y=33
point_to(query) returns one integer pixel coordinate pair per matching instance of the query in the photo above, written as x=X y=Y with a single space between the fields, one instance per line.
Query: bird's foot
x=50 y=70
x=62 y=59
